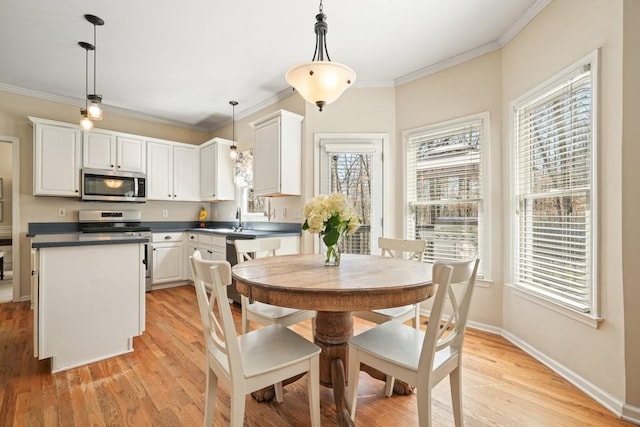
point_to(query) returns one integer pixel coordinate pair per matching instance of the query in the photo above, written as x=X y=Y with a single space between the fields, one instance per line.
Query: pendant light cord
x=86 y=79
x=95 y=54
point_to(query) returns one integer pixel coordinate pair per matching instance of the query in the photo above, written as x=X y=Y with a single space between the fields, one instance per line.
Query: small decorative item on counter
x=202 y=217
x=331 y=216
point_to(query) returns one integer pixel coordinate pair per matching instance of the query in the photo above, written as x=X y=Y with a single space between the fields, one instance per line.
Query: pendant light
x=86 y=122
x=233 y=150
x=94 y=111
x=320 y=81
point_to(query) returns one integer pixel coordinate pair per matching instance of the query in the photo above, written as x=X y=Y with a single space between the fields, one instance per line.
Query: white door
x=352 y=164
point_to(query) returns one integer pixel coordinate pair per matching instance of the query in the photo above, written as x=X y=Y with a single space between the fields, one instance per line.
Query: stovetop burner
x=111 y=222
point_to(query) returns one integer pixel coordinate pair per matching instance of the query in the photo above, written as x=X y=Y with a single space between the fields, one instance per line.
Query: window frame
x=484 y=204
x=559 y=79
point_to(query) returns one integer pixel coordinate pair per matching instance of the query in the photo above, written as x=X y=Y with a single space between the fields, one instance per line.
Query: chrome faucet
x=239 y=218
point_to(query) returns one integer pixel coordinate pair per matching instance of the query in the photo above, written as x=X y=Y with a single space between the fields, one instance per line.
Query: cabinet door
x=167 y=262
x=56 y=161
x=131 y=156
x=159 y=171
x=266 y=159
x=186 y=173
x=216 y=172
x=98 y=150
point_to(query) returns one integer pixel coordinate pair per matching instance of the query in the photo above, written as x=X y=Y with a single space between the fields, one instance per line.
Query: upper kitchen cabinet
x=173 y=171
x=216 y=171
x=103 y=150
x=56 y=158
x=277 y=155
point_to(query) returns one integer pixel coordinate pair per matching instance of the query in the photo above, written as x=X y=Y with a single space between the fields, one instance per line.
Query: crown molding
x=523 y=21
x=448 y=63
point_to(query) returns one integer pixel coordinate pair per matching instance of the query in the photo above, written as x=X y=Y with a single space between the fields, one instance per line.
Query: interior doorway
x=9 y=203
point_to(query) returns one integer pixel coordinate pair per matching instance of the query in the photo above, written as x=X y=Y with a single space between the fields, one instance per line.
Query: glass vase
x=332 y=255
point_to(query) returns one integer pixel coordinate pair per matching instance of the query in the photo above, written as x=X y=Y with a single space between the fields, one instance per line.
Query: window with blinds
x=444 y=187
x=554 y=191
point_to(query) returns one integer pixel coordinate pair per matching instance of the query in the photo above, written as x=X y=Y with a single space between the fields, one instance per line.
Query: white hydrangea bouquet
x=331 y=216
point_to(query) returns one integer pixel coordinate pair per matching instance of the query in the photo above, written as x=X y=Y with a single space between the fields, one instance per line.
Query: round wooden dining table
x=360 y=282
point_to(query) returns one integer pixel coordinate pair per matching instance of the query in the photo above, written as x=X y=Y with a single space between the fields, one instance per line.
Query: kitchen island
x=89 y=297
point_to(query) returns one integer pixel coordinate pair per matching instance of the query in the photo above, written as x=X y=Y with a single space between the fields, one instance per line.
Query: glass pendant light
x=233 y=150
x=94 y=110
x=86 y=123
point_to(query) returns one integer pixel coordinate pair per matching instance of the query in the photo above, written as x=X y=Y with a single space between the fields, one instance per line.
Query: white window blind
x=444 y=188
x=554 y=192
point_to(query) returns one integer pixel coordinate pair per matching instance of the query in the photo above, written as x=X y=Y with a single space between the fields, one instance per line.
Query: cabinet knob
x=111 y=165
x=174 y=196
x=168 y=195
x=119 y=166
x=192 y=237
x=167 y=237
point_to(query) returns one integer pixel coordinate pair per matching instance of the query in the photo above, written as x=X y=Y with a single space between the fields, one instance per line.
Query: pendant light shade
x=85 y=122
x=94 y=110
x=233 y=150
x=321 y=81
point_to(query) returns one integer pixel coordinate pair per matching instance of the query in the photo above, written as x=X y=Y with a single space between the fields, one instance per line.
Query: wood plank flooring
x=162 y=383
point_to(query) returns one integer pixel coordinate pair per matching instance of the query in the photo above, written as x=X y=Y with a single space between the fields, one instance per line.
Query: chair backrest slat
x=450 y=332
x=258 y=247
x=217 y=320
x=399 y=248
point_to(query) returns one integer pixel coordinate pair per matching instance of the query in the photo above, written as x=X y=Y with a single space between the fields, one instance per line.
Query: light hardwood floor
x=162 y=383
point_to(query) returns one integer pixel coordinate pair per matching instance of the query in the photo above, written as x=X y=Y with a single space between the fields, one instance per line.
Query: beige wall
x=469 y=88
x=631 y=197
x=557 y=37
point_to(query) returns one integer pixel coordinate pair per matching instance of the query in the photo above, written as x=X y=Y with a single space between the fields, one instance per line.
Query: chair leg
x=279 y=392
x=313 y=326
x=455 y=381
x=424 y=406
x=352 y=384
x=416 y=318
x=245 y=320
x=236 y=414
x=210 y=397
x=313 y=387
x=388 y=388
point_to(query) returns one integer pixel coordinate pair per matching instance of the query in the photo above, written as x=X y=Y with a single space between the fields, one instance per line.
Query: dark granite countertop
x=229 y=232
x=82 y=239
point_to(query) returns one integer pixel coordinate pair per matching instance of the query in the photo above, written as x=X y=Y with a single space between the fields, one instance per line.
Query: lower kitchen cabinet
x=167 y=258
x=211 y=248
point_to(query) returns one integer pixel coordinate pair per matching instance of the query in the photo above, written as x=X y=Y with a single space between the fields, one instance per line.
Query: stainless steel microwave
x=113 y=186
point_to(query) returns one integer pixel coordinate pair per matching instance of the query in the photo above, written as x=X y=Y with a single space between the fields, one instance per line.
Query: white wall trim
x=523 y=21
x=631 y=413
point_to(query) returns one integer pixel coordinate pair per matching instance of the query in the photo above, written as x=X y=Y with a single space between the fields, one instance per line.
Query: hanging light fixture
x=94 y=111
x=233 y=150
x=86 y=122
x=320 y=81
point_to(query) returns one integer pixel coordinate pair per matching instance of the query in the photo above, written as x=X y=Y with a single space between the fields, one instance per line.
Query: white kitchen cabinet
x=106 y=150
x=211 y=248
x=167 y=257
x=277 y=155
x=216 y=171
x=56 y=158
x=172 y=171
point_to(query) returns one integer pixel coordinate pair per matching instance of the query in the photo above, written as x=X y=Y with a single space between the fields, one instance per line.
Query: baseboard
x=631 y=413
x=613 y=404
x=621 y=409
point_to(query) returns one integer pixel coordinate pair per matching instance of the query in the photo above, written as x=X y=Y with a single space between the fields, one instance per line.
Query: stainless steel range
x=123 y=223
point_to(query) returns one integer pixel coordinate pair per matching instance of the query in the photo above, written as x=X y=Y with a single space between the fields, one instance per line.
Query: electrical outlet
x=283 y=212
x=62 y=211
x=215 y=213
x=165 y=213
x=273 y=214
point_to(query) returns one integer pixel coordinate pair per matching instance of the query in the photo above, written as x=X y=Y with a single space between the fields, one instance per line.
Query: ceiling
x=182 y=62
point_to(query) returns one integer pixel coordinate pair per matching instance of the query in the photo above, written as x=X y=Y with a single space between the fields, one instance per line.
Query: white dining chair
x=421 y=359
x=252 y=361
x=266 y=314
x=405 y=249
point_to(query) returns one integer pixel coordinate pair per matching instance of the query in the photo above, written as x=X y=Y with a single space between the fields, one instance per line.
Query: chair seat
x=272 y=311
x=399 y=344
x=272 y=347
x=395 y=311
